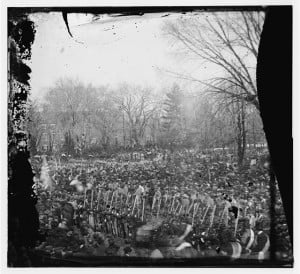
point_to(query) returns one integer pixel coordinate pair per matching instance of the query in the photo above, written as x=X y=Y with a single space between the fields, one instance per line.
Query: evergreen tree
x=173 y=119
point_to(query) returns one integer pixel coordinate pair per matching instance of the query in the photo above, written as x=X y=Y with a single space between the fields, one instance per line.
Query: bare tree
x=138 y=107
x=255 y=128
x=34 y=126
x=212 y=124
x=237 y=116
x=107 y=119
x=71 y=105
x=227 y=40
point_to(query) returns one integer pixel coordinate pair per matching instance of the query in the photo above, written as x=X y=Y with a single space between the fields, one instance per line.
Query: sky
x=108 y=51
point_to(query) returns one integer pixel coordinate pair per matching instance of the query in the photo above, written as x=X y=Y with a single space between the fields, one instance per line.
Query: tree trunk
x=253 y=135
x=241 y=135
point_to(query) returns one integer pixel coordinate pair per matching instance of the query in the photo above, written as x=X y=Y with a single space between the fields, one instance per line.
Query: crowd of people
x=182 y=204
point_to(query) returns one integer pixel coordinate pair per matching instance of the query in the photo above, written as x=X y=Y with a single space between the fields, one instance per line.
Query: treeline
x=80 y=119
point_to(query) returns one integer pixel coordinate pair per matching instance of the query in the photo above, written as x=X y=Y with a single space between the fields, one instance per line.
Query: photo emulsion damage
x=136 y=138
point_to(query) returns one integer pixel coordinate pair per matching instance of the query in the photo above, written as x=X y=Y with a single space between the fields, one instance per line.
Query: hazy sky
x=108 y=51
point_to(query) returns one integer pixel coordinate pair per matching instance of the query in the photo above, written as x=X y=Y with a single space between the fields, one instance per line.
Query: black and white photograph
x=149 y=136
